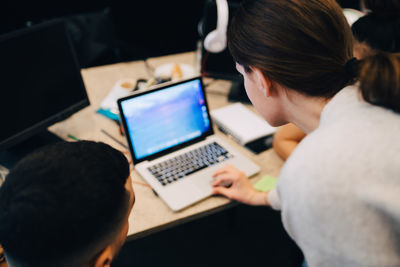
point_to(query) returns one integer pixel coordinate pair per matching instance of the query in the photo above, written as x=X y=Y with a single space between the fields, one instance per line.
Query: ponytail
x=379 y=77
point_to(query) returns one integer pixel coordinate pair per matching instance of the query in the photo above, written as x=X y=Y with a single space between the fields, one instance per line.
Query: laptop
x=172 y=142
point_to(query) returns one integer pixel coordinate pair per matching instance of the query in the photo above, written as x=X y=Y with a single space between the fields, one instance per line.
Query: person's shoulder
x=314 y=144
x=315 y=149
x=350 y=101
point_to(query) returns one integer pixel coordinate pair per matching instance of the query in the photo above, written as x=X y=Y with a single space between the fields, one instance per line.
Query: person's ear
x=264 y=82
x=105 y=258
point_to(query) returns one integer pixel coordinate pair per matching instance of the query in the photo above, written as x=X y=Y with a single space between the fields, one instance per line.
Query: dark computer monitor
x=40 y=84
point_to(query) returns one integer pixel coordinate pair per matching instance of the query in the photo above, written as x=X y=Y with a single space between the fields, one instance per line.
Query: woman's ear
x=264 y=83
x=105 y=258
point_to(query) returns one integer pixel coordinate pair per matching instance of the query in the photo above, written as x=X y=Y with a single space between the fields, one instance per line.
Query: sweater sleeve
x=274 y=199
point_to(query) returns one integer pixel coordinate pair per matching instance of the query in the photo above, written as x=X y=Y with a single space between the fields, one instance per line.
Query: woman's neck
x=304 y=111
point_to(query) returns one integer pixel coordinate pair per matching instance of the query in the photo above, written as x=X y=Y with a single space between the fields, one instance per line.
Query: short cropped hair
x=61 y=205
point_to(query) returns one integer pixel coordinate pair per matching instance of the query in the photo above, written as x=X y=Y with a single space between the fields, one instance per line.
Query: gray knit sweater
x=339 y=192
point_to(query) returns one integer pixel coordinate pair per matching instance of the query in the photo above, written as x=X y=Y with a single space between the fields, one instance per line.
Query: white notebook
x=241 y=123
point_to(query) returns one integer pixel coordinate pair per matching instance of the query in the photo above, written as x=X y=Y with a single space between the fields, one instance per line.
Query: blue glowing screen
x=165 y=118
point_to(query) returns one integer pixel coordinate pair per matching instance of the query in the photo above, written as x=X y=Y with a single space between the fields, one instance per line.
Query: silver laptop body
x=172 y=143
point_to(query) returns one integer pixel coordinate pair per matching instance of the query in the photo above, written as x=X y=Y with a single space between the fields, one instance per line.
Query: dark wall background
x=109 y=31
x=349 y=3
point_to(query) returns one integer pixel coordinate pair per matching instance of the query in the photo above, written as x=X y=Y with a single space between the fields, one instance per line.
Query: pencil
x=113 y=138
x=73 y=137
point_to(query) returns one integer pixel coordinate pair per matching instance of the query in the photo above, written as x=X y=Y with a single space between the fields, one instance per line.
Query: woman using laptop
x=339 y=192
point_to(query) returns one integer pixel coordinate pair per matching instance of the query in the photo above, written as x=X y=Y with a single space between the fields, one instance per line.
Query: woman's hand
x=240 y=188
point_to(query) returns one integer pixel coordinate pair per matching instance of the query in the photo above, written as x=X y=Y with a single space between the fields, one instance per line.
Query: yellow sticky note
x=266 y=183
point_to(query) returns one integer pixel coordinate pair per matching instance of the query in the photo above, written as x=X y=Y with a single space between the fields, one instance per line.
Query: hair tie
x=351 y=68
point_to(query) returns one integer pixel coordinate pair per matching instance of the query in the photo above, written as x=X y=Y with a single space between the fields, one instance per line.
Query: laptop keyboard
x=183 y=165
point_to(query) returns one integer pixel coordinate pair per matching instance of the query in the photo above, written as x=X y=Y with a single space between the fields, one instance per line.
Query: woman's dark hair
x=380 y=80
x=305 y=45
x=59 y=205
x=380 y=28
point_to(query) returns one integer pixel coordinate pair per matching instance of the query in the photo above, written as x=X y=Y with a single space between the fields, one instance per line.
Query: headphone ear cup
x=215 y=41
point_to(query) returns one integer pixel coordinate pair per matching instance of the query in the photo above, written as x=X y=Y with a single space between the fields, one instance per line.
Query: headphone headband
x=215 y=41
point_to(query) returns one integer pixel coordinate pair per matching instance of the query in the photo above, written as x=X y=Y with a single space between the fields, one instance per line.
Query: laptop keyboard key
x=176 y=168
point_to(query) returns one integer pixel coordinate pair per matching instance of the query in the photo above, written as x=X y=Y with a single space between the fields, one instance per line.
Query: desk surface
x=150 y=214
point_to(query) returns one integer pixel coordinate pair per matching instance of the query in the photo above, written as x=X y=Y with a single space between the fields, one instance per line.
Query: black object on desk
x=237 y=93
x=260 y=145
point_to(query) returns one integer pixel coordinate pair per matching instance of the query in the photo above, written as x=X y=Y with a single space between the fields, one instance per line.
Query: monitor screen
x=179 y=112
x=40 y=81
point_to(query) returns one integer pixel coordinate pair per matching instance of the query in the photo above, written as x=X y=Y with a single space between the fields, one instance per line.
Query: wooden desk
x=150 y=214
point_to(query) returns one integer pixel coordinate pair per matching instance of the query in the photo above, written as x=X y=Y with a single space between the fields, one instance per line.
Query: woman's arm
x=286 y=140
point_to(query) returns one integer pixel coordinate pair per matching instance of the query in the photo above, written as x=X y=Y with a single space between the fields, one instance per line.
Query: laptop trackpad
x=203 y=181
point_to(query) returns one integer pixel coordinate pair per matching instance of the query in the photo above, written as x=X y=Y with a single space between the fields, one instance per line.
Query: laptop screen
x=164 y=118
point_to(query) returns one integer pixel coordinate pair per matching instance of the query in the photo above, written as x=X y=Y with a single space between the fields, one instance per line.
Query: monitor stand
x=237 y=93
x=9 y=157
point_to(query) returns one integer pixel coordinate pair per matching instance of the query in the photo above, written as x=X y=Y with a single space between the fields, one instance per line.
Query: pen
x=142 y=184
x=113 y=138
x=73 y=137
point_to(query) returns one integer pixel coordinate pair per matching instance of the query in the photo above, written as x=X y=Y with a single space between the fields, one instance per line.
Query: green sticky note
x=266 y=183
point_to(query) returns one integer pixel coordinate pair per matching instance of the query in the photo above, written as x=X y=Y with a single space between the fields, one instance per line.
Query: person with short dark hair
x=339 y=192
x=66 y=205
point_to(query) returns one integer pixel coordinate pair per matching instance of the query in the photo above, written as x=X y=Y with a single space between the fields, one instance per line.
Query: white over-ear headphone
x=215 y=41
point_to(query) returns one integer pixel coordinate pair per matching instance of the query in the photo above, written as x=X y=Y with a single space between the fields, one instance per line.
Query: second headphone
x=215 y=41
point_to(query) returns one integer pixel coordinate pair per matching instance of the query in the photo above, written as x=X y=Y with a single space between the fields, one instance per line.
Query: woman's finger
x=223 y=169
x=221 y=191
x=222 y=181
x=220 y=171
x=229 y=176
